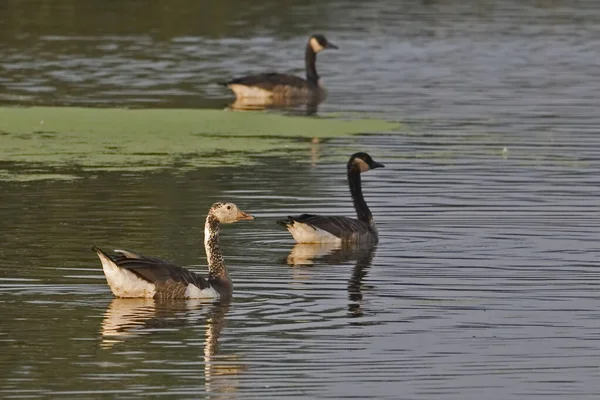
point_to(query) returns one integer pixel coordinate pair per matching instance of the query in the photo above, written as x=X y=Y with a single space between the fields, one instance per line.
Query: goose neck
x=310 y=60
x=214 y=257
x=360 y=205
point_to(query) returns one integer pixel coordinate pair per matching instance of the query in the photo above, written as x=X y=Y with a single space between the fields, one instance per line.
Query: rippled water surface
x=484 y=284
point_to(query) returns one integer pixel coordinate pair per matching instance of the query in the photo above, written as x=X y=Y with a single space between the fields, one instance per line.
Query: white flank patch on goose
x=194 y=292
x=124 y=283
x=250 y=91
x=304 y=233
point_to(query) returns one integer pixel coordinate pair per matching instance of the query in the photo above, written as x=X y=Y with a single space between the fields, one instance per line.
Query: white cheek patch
x=315 y=45
x=362 y=166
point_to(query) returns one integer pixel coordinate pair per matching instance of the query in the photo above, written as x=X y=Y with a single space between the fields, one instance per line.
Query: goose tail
x=102 y=254
x=289 y=221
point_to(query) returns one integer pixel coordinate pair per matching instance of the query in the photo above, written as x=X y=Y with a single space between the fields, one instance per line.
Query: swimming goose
x=273 y=86
x=308 y=228
x=131 y=274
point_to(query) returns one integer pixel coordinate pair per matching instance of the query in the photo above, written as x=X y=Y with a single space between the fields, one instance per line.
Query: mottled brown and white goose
x=273 y=86
x=309 y=228
x=132 y=275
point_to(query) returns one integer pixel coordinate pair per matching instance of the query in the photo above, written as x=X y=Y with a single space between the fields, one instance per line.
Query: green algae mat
x=127 y=139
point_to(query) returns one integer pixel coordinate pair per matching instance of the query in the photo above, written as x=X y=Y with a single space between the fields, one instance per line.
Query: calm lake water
x=485 y=283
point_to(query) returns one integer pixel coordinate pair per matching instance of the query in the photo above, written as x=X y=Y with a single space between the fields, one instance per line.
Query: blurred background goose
x=132 y=275
x=271 y=88
x=309 y=228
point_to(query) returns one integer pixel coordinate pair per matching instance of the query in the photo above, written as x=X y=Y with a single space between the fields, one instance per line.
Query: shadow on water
x=307 y=254
x=364 y=260
x=127 y=319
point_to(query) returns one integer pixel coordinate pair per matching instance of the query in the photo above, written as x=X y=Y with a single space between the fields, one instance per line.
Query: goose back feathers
x=310 y=228
x=142 y=276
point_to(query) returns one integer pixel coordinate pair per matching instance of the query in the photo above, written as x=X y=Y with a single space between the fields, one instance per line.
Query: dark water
x=484 y=284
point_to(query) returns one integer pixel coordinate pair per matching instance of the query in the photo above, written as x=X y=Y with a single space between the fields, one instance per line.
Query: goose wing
x=342 y=227
x=270 y=81
x=165 y=275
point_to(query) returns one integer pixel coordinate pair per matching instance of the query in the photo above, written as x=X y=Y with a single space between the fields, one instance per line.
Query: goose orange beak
x=243 y=216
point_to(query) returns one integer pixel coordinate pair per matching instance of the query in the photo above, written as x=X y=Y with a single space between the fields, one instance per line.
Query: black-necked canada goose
x=133 y=275
x=274 y=85
x=309 y=228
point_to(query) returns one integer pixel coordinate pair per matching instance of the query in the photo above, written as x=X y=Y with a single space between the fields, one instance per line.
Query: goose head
x=228 y=213
x=319 y=43
x=362 y=162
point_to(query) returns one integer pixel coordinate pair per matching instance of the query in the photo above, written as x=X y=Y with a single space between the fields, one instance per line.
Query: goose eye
x=229 y=207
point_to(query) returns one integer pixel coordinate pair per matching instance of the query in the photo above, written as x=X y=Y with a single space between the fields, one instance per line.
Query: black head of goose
x=310 y=228
x=270 y=86
x=132 y=275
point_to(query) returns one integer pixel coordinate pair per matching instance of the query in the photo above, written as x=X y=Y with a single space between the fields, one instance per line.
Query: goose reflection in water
x=308 y=107
x=306 y=254
x=130 y=318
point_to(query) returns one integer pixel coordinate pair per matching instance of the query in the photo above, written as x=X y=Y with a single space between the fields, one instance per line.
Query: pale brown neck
x=214 y=257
